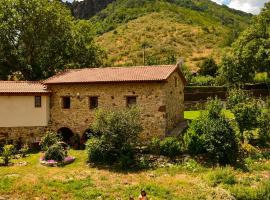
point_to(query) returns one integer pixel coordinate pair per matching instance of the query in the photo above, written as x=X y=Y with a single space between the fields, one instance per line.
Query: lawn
x=194 y=114
x=180 y=181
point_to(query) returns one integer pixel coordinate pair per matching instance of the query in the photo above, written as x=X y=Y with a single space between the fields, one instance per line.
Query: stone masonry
x=160 y=104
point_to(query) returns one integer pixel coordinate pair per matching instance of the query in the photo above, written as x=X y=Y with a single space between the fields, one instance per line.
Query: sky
x=250 y=6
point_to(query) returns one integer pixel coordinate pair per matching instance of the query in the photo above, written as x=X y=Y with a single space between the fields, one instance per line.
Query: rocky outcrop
x=88 y=8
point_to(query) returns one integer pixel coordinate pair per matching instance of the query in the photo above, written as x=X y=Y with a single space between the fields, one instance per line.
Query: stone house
x=74 y=95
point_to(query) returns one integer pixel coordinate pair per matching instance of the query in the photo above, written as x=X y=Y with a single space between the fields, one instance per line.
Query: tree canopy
x=251 y=51
x=39 y=38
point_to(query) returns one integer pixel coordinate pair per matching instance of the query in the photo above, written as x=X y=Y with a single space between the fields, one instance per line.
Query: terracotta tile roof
x=114 y=74
x=22 y=87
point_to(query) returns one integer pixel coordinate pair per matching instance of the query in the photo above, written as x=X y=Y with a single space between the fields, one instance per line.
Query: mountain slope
x=166 y=30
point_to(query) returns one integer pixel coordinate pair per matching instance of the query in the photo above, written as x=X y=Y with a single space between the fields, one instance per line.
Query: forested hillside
x=165 y=30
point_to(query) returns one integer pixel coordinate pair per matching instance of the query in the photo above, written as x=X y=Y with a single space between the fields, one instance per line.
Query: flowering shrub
x=55 y=152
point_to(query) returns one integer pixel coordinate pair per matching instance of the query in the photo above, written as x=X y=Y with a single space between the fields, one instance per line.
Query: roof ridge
x=115 y=67
x=20 y=81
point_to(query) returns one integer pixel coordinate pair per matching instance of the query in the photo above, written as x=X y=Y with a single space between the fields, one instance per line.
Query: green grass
x=195 y=114
x=79 y=181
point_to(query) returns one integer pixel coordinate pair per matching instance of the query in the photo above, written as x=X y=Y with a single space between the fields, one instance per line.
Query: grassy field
x=194 y=114
x=182 y=181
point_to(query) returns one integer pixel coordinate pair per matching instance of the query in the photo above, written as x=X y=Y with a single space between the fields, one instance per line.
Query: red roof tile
x=114 y=74
x=23 y=87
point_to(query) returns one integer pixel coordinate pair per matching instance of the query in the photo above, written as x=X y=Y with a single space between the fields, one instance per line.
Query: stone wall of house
x=27 y=135
x=174 y=90
x=151 y=101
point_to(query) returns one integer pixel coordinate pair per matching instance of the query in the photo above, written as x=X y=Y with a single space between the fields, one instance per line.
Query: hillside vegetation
x=166 y=30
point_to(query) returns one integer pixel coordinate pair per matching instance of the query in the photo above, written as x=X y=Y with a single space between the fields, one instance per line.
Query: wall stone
x=161 y=105
x=158 y=106
x=150 y=97
x=24 y=134
x=174 y=90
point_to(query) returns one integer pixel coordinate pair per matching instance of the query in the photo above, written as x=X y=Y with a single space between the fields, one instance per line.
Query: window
x=66 y=102
x=131 y=101
x=37 y=101
x=93 y=102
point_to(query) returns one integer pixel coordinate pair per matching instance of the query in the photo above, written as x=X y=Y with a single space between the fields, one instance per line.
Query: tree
x=39 y=38
x=251 y=51
x=208 y=67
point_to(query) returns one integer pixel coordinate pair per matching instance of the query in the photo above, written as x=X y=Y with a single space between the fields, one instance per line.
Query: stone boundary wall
x=195 y=95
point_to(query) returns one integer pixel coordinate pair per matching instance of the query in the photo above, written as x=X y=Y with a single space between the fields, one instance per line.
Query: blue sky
x=251 y=6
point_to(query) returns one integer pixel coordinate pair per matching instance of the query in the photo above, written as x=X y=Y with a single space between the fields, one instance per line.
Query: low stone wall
x=27 y=135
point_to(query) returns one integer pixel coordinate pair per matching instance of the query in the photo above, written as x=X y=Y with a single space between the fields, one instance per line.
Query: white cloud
x=251 y=6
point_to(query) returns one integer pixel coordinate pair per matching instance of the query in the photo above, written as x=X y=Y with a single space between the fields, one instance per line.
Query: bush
x=170 y=147
x=55 y=152
x=237 y=96
x=6 y=153
x=202 y=81
x=212 y=134
x=119 y=135
x=250 y=151
x=24 y=150
x=154 y=146
x=48 y=140
x=221 y=176
x=246 y=116
x=208 y=67
x=264 y=128
x=97 y=152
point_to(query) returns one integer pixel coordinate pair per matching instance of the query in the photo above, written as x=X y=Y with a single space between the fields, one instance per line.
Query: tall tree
x=39 y=38
x=251 y=51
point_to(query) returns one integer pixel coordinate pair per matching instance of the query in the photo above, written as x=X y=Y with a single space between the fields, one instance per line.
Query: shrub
x=261 y=77
x=221 y=176
x=203 y=81
x=119 y=131
x=237 y=96
x=212 y=134
x=246 y=116
x=154 y=146
x=170 y=147
x=264 y=128
x=48 y=140
x=97 y=152
x=220 y=141
x=208 y=67
x=250 y=151
x=55 y=152
x=7 y=152
x=193 y=138
x=192 y=165
x=24 y=150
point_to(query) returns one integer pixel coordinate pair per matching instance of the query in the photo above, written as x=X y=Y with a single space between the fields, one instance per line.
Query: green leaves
x=251 y=51
x=39 y=38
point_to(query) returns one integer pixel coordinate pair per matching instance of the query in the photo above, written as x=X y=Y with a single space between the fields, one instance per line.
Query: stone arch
x=66 y=134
